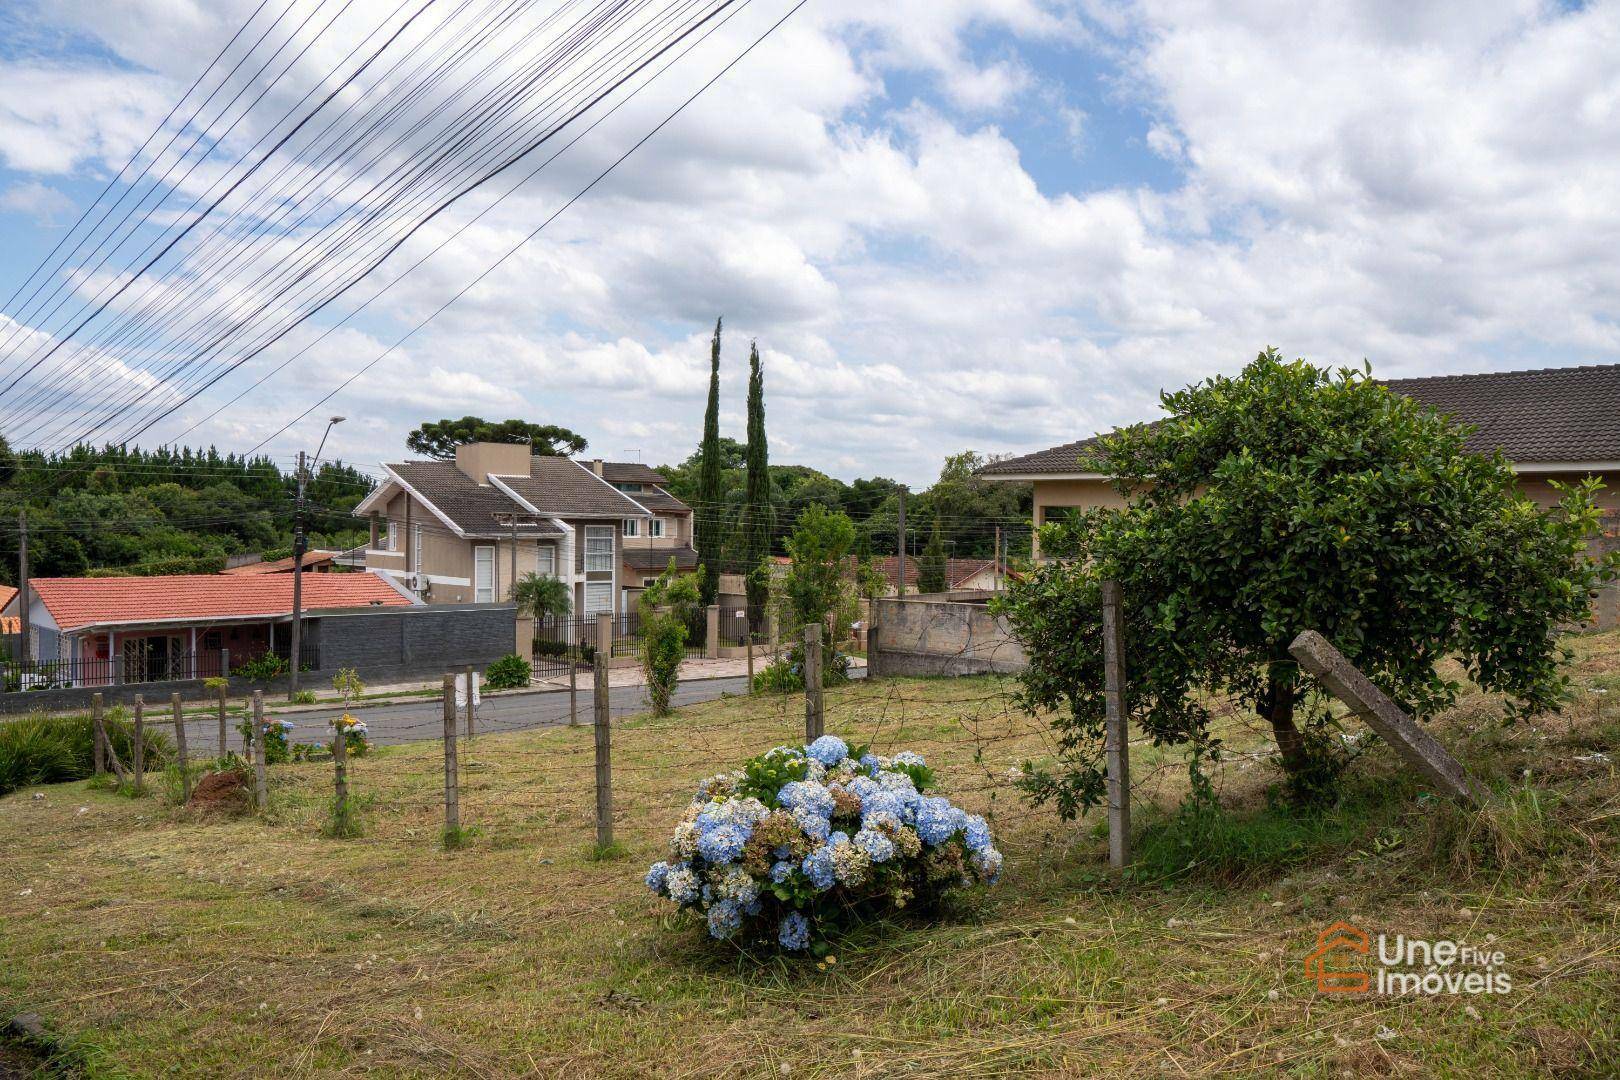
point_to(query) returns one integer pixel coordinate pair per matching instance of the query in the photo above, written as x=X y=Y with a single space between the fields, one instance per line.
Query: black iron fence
x=558 y=642
x=738 y=623
x=23 y=675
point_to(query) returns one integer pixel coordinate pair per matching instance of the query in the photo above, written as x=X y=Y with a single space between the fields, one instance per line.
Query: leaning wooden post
x=711 y=632
x=1116 y=745
x=137 y=750
x=224 y=732
x=98 y=735
x=180 y=747
x=1411 y=742
x=813 y=704
x=452 y=800
x=750 y=650
x=470 y=677
x=604 y=734
x=258 y=751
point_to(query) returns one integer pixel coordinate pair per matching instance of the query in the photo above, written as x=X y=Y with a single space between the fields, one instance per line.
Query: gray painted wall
x=941 y=637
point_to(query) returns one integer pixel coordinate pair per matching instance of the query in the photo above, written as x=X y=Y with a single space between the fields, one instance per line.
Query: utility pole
x=24 y=623
x=298 y=561
x=298 y=585
x=900 y=547
x=995 y=575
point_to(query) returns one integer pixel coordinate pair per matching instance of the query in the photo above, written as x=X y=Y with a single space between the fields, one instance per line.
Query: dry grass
x=155 y=942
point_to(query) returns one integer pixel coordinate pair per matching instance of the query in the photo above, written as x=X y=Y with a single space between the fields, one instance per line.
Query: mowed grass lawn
x=154 y=940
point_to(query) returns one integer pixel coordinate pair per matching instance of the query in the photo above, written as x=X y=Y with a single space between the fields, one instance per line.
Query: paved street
x=424 y=718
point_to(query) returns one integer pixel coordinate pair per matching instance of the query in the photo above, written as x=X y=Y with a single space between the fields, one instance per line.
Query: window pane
x=598 y=597
x=599 y=547
x=632 y=526
x=484 y=575
x=546 y=564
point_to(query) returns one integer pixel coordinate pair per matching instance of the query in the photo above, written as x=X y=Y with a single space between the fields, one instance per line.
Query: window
x=632 y=527
x=392 y=541
x=483 y=575
x=416 y=549
x=598 y=597
x=631 y=488
x=545 y=562
x=655 y=528
x=599 y=549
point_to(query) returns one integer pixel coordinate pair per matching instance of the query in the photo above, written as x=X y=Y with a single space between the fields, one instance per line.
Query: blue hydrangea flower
x=937 y=820
x=877 y=803
x=721 y=844
x=829 y=750
x=806 y=795
x=782 y=869
x=818 y=867
x=869 y=762
x=976 y=833
x=908 y=757
x=988 y=864
x=683 y=884
x=875 y=844
x=815 y=826
x=795 y=932
x=657 y=874
x=725 y=918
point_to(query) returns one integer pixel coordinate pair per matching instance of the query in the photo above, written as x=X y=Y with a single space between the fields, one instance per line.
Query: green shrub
x=53 y=749
x=276 y=750
x=785 y=674
x=508 y=673
x=261 y=669
x=550 y=647
x=303 y=697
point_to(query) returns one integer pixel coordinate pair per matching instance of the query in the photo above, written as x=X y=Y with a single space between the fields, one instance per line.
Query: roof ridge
x=1501 y=374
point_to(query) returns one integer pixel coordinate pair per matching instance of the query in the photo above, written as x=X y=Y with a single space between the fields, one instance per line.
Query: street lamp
x=298 y=558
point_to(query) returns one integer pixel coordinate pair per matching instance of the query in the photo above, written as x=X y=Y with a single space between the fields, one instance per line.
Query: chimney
x=479 y=460
x=596 y=466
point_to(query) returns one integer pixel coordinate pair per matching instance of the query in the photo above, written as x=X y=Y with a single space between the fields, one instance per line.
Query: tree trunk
x=1277 y=707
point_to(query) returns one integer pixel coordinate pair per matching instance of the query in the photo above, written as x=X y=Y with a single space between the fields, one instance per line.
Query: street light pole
x=299 y=542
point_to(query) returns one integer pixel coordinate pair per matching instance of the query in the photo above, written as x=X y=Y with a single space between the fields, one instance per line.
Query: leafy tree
x=758 y=516
x=970 y=506
x=439 y=439
x=540 y=597
x=708 y=532
x=931 y=568
x=8 y=462
x=815 y=587
x=1284 y=499
x=667 y=607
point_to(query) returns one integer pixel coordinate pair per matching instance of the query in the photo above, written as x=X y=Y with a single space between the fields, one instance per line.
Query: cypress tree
x=758 y=515
x=707 y=534
x=931 y=577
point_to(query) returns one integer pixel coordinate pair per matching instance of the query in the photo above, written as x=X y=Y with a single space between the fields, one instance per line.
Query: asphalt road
x=423 y=718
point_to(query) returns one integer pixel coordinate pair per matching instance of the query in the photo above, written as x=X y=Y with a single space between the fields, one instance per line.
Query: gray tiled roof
x=566 y=489
x=659 y=499
x=474 y=509
x=1552 y=414
x=629 y=472
x=658 y=558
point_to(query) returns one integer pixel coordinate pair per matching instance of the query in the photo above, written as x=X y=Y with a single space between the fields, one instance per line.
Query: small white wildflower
x=84 y=809
x=1471 y=1012
x=26 y=892
x=1384 y=1034
x=1162 y=1003
x=785 y=1069
x=1171 y=924
x=1273 y=994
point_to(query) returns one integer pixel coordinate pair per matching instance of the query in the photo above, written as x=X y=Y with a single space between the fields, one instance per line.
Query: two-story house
x=462 y=531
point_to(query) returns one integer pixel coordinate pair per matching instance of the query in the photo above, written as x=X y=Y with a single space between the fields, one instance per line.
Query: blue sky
x=996 y=224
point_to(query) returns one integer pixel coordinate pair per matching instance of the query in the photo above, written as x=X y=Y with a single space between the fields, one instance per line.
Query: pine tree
x=931 y=577
x=758 y=515
x=707 y=534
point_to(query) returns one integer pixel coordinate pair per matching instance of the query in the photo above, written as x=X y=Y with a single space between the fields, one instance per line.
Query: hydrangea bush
x=800 y=839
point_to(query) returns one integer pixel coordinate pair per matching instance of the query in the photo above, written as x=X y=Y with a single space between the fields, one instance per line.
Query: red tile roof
x=78 y=602
x=312 y=559
x=10 y=624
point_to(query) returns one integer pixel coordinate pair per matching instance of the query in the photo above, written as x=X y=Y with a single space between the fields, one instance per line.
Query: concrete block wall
x=942 y=637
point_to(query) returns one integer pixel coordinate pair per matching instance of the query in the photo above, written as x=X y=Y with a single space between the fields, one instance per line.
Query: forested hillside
x=180 y=511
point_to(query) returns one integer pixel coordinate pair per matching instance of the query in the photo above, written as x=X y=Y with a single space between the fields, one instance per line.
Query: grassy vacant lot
x=152 y=939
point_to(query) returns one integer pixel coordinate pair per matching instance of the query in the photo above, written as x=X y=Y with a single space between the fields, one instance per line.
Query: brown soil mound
x=225 y=791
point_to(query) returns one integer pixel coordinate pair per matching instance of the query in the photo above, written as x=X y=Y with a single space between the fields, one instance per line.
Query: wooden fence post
x=711 y=631
x=180 y=747
x=137 y=750
x=257 y=750
x=750 y=651
x=452 y=799
x=573 y=692
x=224 y=732
x=340 y=764
x=604 y=735
x=1116 y=745
x=98 y=735
x=813 y=706
x=470 y=677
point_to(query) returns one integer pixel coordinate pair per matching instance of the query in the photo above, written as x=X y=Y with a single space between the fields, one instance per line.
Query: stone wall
x=941 y=637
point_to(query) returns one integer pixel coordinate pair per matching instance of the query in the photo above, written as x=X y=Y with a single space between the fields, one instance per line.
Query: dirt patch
x=222 y=792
